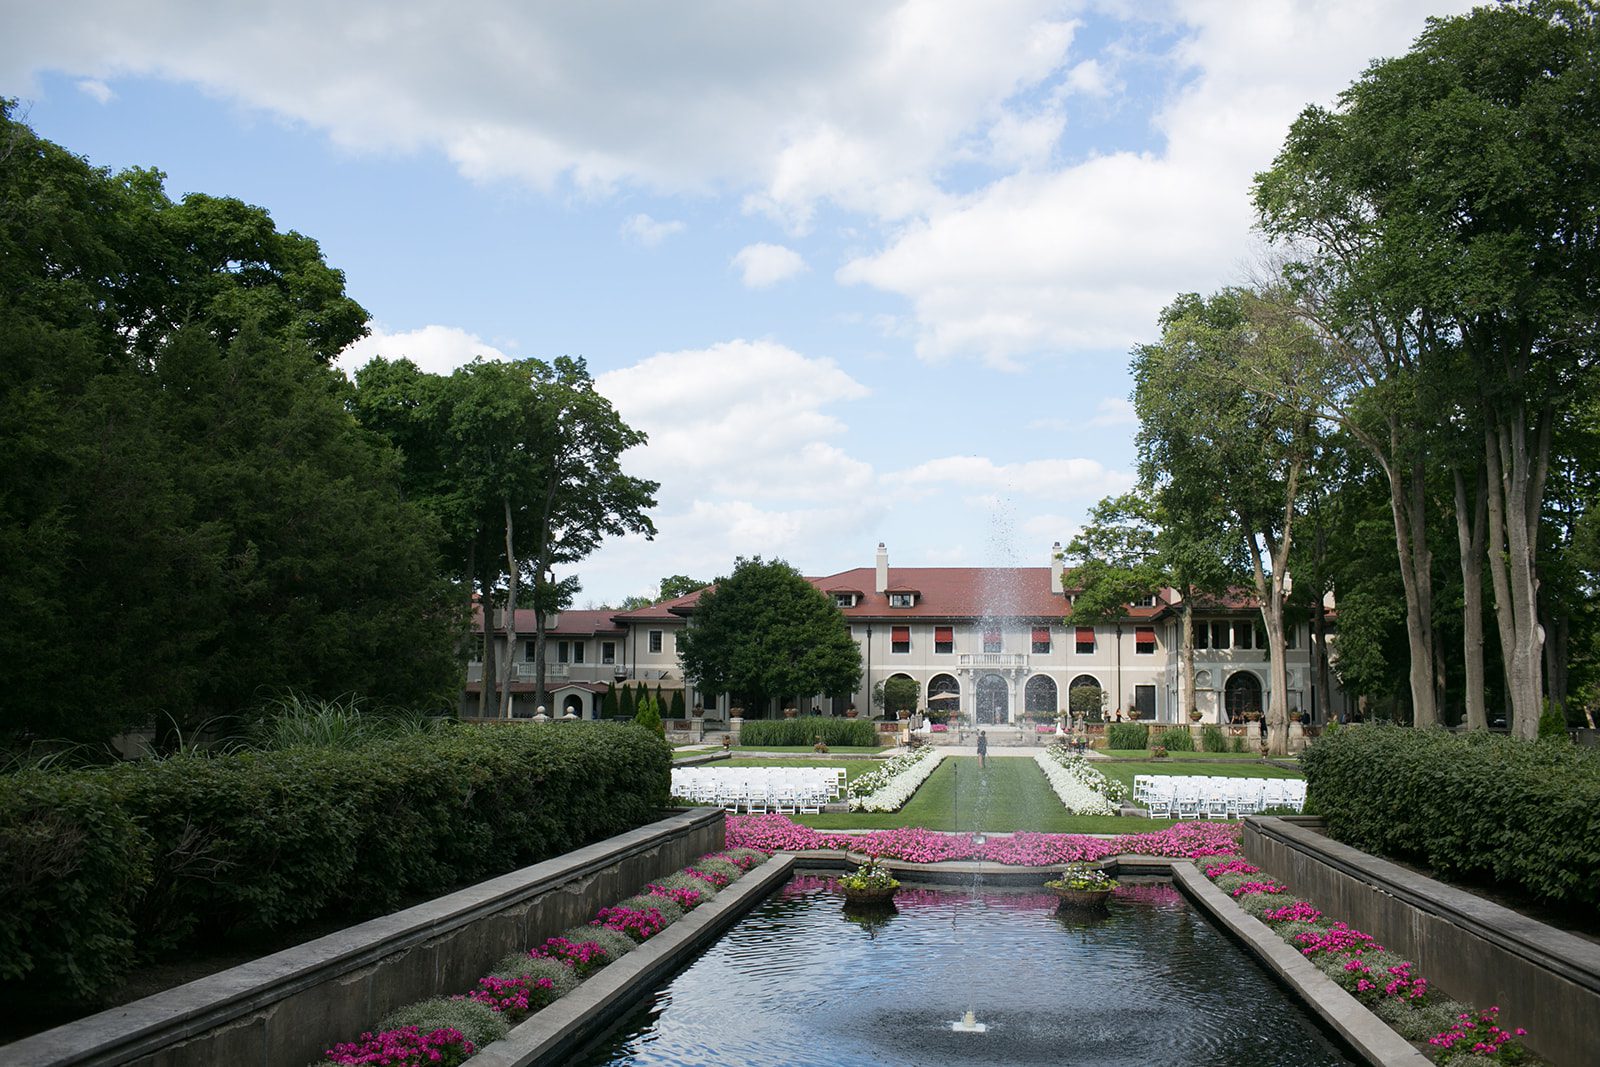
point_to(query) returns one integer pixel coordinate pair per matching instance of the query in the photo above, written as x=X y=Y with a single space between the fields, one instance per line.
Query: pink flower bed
x=777 y=833
x=1217 y=870
x=403 y=1047
x=1259 y=887
x=1298 y=912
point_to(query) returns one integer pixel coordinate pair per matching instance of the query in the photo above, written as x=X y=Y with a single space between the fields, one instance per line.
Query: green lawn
x=854 y=750
x=1012 y=794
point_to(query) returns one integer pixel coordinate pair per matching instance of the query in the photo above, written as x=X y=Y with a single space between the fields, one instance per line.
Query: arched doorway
x=944 y=695
x=574 y=704
x=1085 y=698
x=993 y=700
x=1039 y=695
x=1243 y=694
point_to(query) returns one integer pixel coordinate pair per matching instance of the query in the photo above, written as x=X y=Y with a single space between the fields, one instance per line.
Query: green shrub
x=168 y=851
x=1177 y=739
x=1212 y=739
x=563 y=978
x=669 y=909
x=695 y=885
x=479 y=1023
x=73 y=865
x=616 y=943
x=1477 y=807
x=1229 y=882
x=1552 y=725
x=1127 y=735
x=1235 y=744
x=803 y=731
x=712 y=865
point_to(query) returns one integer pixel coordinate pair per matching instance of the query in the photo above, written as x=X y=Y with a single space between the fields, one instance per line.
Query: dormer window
x=1148 y=601
x=902 y=600
x=845 y=600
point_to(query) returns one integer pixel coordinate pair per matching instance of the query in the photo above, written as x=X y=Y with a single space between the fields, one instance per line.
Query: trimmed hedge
x=802 y=732
x=159 y=854
x=1126 y=735
x=1476 y=806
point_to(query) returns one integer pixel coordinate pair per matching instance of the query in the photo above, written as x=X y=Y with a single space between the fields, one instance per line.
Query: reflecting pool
x=802 y=980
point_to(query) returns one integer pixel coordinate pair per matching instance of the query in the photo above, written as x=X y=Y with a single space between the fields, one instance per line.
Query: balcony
x=994 y=660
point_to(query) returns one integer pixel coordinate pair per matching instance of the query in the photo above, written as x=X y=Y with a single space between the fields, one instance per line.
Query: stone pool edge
x=554 y=1033
x=1365 y=1034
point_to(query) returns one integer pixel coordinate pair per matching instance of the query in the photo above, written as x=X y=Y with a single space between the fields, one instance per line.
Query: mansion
x=989 y=642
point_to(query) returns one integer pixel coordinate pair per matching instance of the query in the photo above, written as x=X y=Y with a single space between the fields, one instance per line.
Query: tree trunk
x=541 y=569
x=1471 y=517
x=511 y=614
x=490 y=645
x=1408 y=502
x=1186 y=694
x=1270 y=591
x=1515 y=497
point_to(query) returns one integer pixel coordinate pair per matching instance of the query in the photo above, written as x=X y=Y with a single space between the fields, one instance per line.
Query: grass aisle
x=1012 y=794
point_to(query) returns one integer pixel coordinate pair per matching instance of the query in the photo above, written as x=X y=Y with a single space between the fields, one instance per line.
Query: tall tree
x=764 y=632
x=1142 y=542
x=1203 y=430
x=1454 y=186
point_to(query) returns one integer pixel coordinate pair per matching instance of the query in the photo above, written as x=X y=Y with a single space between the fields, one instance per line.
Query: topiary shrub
x=649 y=717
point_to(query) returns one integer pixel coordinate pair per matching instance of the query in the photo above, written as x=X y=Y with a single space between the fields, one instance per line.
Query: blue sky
x=864 y=272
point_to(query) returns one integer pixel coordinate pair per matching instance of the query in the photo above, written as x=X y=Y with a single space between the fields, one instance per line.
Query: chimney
x=882 y=584
x=1055 y=568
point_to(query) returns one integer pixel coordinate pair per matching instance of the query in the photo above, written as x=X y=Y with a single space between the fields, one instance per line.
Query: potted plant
x=850 y=712
x=1082 y=885
x=869 y=884
x=790 y=712
x=1194 y=714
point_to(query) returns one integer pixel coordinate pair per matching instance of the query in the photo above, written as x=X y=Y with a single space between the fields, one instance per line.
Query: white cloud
x=96 y=90
x=790 y=103
x=1114 y=411
x=1090 y=78
x=740 y=420
x=1084 y=258
x=1054 y=478
x=435 y=349
x=761 y=264
x=649 y=232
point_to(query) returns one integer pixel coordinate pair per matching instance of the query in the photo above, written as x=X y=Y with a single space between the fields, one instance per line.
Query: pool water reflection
x=802 y=980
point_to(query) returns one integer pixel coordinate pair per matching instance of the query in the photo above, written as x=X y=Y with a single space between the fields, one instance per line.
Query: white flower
x=1084 y=790
x=890 y=786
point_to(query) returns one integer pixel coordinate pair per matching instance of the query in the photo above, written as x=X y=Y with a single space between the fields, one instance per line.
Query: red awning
x=1041 y=635
x=1145 y=634
x=900 y=634
x=1086 y=635
x=946 y=634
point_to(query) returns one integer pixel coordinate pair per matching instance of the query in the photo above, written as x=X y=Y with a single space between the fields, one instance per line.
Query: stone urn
x=851 y=712
x=1085 y=899
x=789 y=713
x=698 y=711
x=1194 y=714
x=869 y=896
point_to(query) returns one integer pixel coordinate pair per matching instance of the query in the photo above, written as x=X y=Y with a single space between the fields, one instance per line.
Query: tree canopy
x=764 y=632
x=190 y=518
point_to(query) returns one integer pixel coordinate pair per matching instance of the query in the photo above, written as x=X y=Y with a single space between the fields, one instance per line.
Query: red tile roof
x=568 y=623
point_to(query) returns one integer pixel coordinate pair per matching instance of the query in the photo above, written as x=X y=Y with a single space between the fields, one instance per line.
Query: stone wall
x=288 y=1007
x=1469 y=948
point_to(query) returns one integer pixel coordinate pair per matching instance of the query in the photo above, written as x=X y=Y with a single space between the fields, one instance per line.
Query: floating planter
x=869 y=884
x=1082 y=886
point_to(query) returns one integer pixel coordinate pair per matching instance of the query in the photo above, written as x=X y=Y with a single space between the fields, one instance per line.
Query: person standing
x=983 y=750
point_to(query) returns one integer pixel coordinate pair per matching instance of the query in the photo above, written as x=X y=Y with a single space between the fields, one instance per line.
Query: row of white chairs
x=758 y=790
x=1202 y=797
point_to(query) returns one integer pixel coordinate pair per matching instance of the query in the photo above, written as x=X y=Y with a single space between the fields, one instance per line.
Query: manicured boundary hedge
x=805 y=730
x=103 y=867
x=1473 y=806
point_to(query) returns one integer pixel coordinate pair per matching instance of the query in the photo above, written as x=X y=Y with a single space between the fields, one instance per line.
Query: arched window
x=944 y=694
x=1040 y=694
x=1243 y=694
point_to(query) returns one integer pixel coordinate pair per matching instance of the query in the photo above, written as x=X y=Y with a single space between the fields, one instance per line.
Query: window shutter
x=1146 y=635
x=1041 y=635
x=900 y=634
x=944 y=634
x=1086 y=635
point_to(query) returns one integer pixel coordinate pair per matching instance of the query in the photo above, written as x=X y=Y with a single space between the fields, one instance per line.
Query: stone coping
x=552 y=1035
x=1573 y=958
x=1364 y=1033
x=233 y=998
